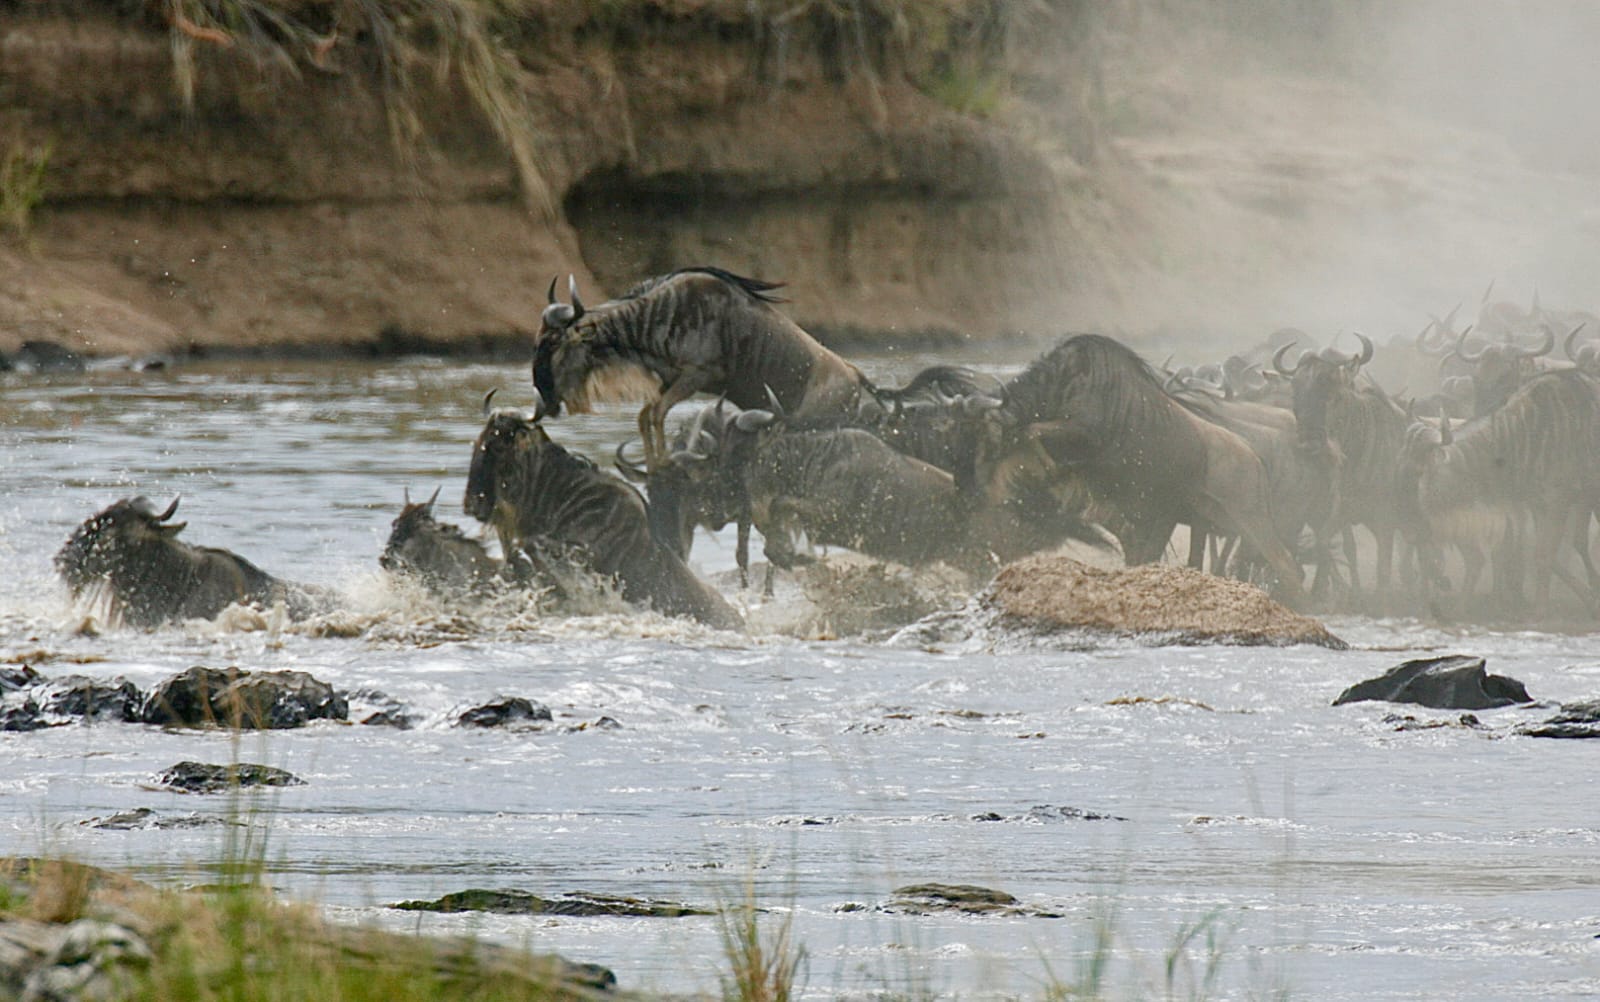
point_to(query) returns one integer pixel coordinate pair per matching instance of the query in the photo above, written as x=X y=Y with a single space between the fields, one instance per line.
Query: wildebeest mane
x=754 y=287
x=1127 y=392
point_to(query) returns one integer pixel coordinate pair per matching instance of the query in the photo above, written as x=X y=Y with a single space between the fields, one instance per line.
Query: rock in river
x=1175 y=604
x=516 y=902
x=247 y=700
x=1453 y=682
x=200 y=777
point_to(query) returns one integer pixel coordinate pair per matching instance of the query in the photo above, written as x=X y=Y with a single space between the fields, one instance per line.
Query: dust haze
x=1343 y=167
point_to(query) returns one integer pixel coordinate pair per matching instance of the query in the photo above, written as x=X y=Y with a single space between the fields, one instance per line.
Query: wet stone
x=230 y=697
x=23 y=715
x=92 y=700
x=146 y=819
x=967 y=899
x=372 y=708
x=1575 y=720
x=505 y=712
x=1406 y=722
x=1046 y=814
x=15 y=677
x=516 y=902
x=1453 y=682
x=199 y=777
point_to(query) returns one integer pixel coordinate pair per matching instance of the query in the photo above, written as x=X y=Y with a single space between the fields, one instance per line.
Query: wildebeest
x=443 y=558
x=846 y=487
x=1536 y=454
x=1358 y=430
x=154 y=577
x=540 y=497
x=1097 y=411
x=692 y=330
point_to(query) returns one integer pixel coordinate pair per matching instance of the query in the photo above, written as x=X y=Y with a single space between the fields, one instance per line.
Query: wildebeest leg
x=1352 y=558
x=653 y=417
x=1146 y=542
x=1581 y=517
x=1198 y=535
x=1548 y=529
x=741 y=555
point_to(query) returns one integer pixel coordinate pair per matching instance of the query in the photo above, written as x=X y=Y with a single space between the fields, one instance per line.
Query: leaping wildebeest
x=539 y=497
x=1094 y=411
x=689 y=331
x=154 y=577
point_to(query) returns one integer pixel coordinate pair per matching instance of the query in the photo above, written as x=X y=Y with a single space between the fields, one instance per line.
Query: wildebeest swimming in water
x=154 y=577
x=689 y=331
x=440 y=556
x=541 y=498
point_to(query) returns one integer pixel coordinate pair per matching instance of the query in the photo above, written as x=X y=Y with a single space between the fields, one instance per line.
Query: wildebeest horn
x=1546 y=346
x=405 y=496
x=1461 y=347
x=1366 y=351
x=630 y=469
x=754 y=420
x=539 y=408
x=434 y=497
x=772 y=401
x=550 y=297
x=979 y=403
x=1485 y=300
x=1567 y=345
x=1277 y=361
x=488 y=401
x=577 y=304
x=171 y=509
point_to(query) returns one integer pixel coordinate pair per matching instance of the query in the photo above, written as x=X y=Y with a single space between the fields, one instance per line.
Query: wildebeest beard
x=154 y=577
x=542 y=499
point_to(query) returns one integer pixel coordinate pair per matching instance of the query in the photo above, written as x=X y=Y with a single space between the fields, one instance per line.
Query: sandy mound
x=1059 y=593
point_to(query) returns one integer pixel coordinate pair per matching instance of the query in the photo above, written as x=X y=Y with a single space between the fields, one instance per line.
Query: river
x=1127 y=791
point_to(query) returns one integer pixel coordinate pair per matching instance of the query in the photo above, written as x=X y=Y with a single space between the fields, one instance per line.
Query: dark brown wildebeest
x=689 y=331
x=1096 y=412
x=540 y=498
x=847 y=487
x=154 y=577
x=702 y=330
x=440 y=556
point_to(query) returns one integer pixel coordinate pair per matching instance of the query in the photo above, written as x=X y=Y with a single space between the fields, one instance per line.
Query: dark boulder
x=504 y=712
x=14 y=677
x=92 y=700
x=1576 y=720
x=145 y=818
x=200 y=777
x=1453 y=682
x=966 y=899
x=241 y=699
x=23 y=715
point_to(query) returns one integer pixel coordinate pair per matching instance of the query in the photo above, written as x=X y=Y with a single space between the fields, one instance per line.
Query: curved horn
x=488 y=401
x=171 y=509
x=1572 y=337
x=1461 y=347
x=629 y=468
x=539 y=408
x=1545 y=346
x=1366 y=350
x=577 y=304
x=1277 y=361
x=754 y=420
x=550 y=297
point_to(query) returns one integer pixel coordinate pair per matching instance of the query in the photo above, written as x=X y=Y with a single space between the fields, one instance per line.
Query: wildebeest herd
x=1455 y=450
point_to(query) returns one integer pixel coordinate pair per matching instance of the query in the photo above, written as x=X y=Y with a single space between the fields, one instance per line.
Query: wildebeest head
x=700 y=484
x=1500 y=367
x=511 y=441
x=440 y=555
x=111 y=541
x=1315 y=380
x=572 y=368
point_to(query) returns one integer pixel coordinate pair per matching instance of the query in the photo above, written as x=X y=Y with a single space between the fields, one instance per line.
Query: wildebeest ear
x=754 y=420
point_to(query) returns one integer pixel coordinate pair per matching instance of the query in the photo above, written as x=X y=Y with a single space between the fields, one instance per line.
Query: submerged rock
x=145 y=819
x=968 y=899
x=1172 y=604
x=1576 y=720
x=505 y=712
x=515 y=902
x=200 y=777
x=1453 y=682
x=242 y=699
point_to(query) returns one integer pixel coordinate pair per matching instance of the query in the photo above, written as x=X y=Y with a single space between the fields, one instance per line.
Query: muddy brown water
x=1144 y=790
